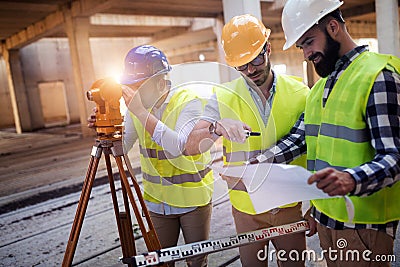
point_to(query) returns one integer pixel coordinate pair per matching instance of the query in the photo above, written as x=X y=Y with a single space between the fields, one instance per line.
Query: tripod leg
x=150 y=236
x=81 y=209
x=124 y=222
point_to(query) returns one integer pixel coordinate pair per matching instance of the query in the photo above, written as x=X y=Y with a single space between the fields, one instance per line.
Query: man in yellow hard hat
x=351 y=127
x=269 y=104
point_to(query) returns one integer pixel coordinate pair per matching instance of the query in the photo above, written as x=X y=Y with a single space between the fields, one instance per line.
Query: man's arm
x=200 y=139
x=383 y=118
x=135 y=105
x=288 y=148
x=129 y=136
x=173 y=140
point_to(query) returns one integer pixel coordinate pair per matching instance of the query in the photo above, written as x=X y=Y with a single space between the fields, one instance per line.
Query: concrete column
x=387 y=25
x=239 y=7
x=224 y=71
x=77 y=29
x=16 y=85
x=234 y=8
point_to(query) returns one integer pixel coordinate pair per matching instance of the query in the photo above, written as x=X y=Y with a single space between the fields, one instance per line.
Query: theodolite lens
x=89 y=95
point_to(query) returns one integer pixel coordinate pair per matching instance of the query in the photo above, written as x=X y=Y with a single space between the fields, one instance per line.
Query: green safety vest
x=337 y=136
x=235 y=102
x=182 y=181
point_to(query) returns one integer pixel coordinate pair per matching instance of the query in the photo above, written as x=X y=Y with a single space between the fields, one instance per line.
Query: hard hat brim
x=130 y=79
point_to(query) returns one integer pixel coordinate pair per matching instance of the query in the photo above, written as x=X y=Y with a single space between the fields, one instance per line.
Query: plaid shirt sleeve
x=383 y=119
x=290 y=146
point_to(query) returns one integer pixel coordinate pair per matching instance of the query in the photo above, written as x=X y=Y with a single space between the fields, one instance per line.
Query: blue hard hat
x=143 y=62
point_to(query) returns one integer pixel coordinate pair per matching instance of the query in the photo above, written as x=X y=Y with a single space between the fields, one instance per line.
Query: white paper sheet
x=273 y=185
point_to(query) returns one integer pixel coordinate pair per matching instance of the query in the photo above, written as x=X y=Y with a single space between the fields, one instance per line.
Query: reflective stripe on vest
x=337 y=136
x=235 y=102
x=239 y=156
x=180 y=181
x=177 y=179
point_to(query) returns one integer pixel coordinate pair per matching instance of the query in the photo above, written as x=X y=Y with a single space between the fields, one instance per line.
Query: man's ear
x=333 y=28
x=161 y=85
x=268 y=48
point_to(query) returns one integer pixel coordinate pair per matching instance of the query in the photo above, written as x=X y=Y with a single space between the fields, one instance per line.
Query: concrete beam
x=359 y=10
x=88 y=8
x=188 y=38
x=191 y=48
x=35 y=31
x=168 y=33
x=139 y=20
x=123 y=31
x=361 y=29
x=53 y=22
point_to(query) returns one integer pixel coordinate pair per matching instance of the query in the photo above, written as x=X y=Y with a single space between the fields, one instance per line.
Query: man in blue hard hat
x=177 y=190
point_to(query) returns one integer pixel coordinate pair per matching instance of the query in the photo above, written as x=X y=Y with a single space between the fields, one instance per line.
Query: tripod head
x=106 y=93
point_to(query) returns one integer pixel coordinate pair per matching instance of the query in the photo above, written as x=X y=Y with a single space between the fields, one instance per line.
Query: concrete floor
x=41 y=175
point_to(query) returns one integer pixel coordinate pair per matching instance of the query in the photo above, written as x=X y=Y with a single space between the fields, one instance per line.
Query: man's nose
x=250 y=68
x=307 y=53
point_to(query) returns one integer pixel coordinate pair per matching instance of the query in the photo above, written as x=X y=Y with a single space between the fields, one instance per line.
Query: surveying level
x=107 y=93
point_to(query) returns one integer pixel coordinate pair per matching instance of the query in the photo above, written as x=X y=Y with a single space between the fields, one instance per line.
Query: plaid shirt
x=383 y=120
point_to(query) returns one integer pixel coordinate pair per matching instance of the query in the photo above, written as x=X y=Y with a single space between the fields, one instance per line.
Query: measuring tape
x=210 y=246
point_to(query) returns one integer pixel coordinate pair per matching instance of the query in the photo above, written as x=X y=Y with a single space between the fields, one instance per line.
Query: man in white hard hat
x=351 y=126
x=259 y=97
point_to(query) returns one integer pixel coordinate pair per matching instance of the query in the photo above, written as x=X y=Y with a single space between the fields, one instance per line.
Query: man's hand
x=230 y=180
x=333 y=182
x=311 y=222
x=92 y=119
x=132 y=100
x=128 y=94
x=232 y=130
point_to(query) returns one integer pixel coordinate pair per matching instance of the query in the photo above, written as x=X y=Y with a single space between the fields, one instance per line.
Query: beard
x=329 y=57
x=265 y=73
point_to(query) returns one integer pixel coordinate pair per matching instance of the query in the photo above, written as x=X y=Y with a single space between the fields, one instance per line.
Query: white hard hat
x=299 y=16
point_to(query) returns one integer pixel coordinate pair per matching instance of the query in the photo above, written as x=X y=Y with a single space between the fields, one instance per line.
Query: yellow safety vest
x=337 y=136
x=235 y=102
x=182 y=181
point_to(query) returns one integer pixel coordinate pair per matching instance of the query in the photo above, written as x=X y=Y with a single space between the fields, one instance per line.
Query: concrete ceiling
x=170 y=22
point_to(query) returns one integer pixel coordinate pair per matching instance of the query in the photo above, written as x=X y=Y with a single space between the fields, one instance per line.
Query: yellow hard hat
x=243 y=38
